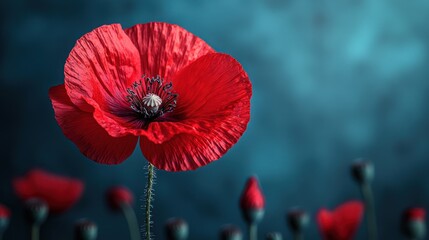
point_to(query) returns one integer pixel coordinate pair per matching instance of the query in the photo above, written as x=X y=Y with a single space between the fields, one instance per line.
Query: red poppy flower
x=252 y=197
x=342 y=223
x=414 y=214
x=59 y=192
x=4 y=212
x=190 y=107
x=119 y=195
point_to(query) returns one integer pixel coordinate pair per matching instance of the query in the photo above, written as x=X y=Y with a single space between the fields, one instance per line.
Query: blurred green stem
x=35 y=232
x=149 y=198
x=253 y=231
x=370 y=211
x=298 y=236
x=131 y=218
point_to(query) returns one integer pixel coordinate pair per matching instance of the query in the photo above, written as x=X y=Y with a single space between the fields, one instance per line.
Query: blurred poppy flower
x=342 y=223
x=4 y=219
x=59 y=192
x=252 y=197
x=252 y=201
x=413 y=223
x=116 y=196
x=190 y=107
x=4 y=211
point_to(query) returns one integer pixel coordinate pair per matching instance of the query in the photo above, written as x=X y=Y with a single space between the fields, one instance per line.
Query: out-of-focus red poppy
x=119 y=195
x=414 y=214
x=189 y=108
x=342 y=223
x=59 y=192
x=252 y=197
x=4 y=211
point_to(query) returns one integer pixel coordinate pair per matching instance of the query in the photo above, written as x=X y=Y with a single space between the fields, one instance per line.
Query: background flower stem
x=253 y=231
x=298 y=236
x=35 y=232
x=369 y=210
x=131 y=218
x=149 y=198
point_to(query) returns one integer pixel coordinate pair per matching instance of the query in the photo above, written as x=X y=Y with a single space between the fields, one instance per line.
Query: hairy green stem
x=35 y=232
x=253 y=231
x=149 y=198
x=131 y=218
x=370 y=211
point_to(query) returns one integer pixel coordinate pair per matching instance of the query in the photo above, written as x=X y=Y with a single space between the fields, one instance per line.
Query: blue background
x=332 y=81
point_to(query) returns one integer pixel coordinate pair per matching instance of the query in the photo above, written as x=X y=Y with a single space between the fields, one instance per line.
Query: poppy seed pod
x=274 y=236
x=4 y=217
x=297 y=220
x=177 y=229
x=362 y=171
x=413 y=223
x=119 y=195
x=85 y=230
x=252 y=202
x=36 y=210
x=230 y=232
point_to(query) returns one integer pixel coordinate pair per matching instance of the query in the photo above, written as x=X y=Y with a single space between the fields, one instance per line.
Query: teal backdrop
x=332 y=81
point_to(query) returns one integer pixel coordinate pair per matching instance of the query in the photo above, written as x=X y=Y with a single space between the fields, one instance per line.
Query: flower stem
x=131 y=218
x=149 y=198
x=35 y=232
x=370 y=210
x=298 y=236
x=253 y=231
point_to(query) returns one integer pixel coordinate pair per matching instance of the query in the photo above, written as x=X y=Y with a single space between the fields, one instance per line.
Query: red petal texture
x=102 y=64
x=252 y=197
x=415 y=214
x=166 y=48
x=212 y=113
x=60 y=193
x=119 y=195
x=342 y=223
x=4 y=211
x=91 y=139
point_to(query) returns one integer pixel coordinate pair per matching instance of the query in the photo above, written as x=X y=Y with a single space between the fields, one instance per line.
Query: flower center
x=150 y=98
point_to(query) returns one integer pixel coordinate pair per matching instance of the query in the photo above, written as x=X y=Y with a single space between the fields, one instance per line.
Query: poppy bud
x=274 y=236
x=252 y=202
x=85 y=230
x=36 y=210
x=297 y=219
x=413 y=223
x=177 y=229
x=230 y=232
x=363 y=171
x=4 y=218
x=119 y=195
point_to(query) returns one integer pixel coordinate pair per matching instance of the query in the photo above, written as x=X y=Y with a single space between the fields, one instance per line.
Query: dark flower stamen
x=151 y=99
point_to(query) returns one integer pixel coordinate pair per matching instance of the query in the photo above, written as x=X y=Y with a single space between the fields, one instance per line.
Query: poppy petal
x=166 y=48
x=325 y=221
x=59 y=192
x=347 y=219
x=342 y=223
x=214 y=102
x=82 y=129
x=102 y=64
x=213 y=86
